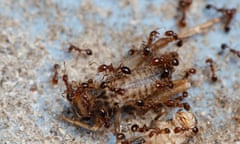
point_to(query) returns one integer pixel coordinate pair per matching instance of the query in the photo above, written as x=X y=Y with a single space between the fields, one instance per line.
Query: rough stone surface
x=35 y=34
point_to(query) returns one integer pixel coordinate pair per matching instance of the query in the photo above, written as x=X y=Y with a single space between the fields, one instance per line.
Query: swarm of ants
x=142 y=86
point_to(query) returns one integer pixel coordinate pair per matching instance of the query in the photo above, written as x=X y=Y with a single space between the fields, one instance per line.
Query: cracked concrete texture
x=35 y=35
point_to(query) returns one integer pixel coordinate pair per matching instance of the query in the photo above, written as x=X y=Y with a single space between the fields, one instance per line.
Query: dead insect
x=151 y=38
x=143 y=81
x=110 y=68
x=176 y=102
x=101 y=102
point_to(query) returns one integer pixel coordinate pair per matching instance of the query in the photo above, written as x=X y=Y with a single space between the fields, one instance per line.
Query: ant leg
x=109 y=69
x=199 y=28
x=95 y=127
x=117 y=118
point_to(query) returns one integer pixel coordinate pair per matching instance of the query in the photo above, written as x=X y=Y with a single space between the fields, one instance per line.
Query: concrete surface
x=35 y=34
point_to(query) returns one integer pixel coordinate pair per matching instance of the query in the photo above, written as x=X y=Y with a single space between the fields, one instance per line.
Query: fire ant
x=161 y=42
x=214 y=77
x=181 y=129
x=176 y=103
x=166 y=62
x=228 y=15
x=183 y=6
x=56 y=67
x=151 y=38
x=225 y=46
x=73 y=47
x=110 y=68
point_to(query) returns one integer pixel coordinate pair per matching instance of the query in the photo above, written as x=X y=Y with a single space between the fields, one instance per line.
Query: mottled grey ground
x=35 y=34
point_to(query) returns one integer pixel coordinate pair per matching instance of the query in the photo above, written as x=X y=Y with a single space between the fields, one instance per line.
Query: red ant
x=180 y=129
x=168 y=84
x=176 y=103
x=159 y=131
x=166 y=61
x=171 y=36
x=134 y=128
x=56 y=67
x=214 y=77
x=146 y=46
x=225 y=46
x=228 y=15
x=110 y=68
x=183 y=6
x=73 y=47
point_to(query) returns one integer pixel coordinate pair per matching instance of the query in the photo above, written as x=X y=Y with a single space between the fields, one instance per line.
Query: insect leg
x=201 y=28
x=95 y=127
